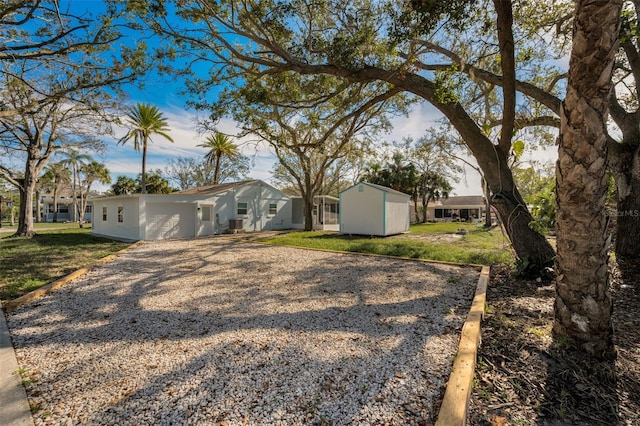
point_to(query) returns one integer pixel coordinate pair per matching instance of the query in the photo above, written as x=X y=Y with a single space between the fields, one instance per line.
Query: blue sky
x=164 y=92
x=123 y=160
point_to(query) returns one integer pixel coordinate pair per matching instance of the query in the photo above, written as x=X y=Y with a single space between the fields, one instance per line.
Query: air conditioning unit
x=235 y=224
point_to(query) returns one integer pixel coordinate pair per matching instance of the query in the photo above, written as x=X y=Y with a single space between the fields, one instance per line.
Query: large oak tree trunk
x=38 y=207
x=307 y=200
x=25 y=217
x=583 y=303
x=624 y=162
x=530 y=246
x=627 y=244
x=55 y=203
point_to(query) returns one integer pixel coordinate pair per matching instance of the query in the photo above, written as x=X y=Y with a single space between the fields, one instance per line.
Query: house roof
x=464 y=200
x=379 y=187
x=213 y=189
x=317 y=197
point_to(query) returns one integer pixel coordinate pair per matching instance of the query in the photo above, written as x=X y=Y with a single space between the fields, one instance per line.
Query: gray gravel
x=212 y=331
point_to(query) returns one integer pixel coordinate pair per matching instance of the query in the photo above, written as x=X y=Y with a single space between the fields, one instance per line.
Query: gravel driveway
x=215 y=331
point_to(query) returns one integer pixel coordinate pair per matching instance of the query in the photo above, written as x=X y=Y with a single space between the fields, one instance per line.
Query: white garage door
x=170 y=220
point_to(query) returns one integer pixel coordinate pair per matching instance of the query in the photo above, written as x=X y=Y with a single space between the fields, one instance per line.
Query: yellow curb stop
x=453 y=411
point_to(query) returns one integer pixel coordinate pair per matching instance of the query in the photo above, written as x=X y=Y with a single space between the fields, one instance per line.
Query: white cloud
x=422 y=116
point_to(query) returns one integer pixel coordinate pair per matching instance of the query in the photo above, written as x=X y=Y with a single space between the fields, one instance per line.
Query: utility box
x=235 y=224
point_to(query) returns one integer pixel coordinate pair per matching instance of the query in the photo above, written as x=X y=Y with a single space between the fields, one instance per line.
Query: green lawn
x=29 y=263
x=430 y=241
x=45 y=225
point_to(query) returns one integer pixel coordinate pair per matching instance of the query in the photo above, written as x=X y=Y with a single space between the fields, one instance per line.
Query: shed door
x=170 y=220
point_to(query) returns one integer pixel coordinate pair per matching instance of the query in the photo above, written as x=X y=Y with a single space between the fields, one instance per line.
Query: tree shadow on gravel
x=227 y=338
x=525 y=376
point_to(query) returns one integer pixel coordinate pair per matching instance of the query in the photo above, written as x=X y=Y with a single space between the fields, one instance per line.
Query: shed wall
x=362 y=211
x=398 y=216
x=128 y=229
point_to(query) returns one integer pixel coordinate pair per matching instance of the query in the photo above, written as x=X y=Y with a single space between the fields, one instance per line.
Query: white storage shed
x=370 y=209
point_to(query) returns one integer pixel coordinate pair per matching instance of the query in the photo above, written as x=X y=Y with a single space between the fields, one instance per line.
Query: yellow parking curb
x=35 y=294
x=453 y=411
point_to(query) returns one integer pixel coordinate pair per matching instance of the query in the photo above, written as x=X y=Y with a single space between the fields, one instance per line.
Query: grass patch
x=431 y=241
x=30 y=263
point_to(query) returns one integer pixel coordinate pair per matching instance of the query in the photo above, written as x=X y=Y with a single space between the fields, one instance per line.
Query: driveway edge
x=35 y=294
x=454 y=407
x=14 y=405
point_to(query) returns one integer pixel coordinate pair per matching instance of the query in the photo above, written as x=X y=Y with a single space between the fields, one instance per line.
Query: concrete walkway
x=14 y=410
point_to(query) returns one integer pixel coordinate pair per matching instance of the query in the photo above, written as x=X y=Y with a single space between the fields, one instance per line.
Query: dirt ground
x=525 y=377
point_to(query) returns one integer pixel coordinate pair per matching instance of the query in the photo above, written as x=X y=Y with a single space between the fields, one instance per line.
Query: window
x=88 y=209
x=242 y=208
x=273 y=209
x=120 y=214
x=63 y=208
x=206 y=213
x=104 y=213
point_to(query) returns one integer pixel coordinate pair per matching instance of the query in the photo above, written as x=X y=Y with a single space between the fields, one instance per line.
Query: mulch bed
x=524 y=376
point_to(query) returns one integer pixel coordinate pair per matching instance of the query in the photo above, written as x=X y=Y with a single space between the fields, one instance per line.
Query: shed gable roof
x=378 y=187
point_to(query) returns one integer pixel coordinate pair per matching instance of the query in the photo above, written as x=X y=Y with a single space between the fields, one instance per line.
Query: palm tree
x=219 y=146
x=56 y=175
x=124 y=186
x=583 y=302
x=144 y=120
x=75 y=160
x=432 y=186
x=93 y=172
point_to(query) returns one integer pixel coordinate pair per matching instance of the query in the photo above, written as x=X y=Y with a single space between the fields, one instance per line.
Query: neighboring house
x=470 y=208
x=325 y=214
x=369 y=209
x=65 y=209
x=207 y=210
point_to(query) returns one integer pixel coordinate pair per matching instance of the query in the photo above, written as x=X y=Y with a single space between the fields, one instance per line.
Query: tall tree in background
x=219 y=147
x=60 y=74
x=76 y=160
x=583 y=303
x=187 y=172
x=432 y=186
x=399 y=174
x=91 y=172
x=156 y=183
x=35 y=137
x=308 y=136
x=437 y=167
x=55 y=178
x=123 y=185
x=144 y=121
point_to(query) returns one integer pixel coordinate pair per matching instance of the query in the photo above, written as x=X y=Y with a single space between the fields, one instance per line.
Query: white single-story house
x=230 y=207
x=65 y=209
x=468 y=208
x=370 y=209
x=325 y=213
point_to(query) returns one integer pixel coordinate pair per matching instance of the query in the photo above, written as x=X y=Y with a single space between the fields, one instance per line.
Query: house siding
x=180 y=215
